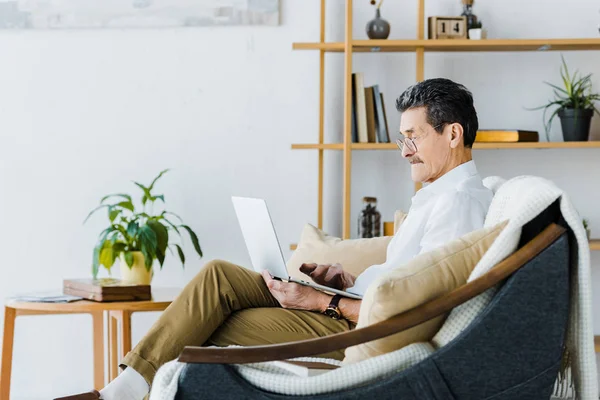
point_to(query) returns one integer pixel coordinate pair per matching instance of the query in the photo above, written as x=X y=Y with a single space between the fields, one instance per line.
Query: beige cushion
x=355 y=255
x=424 y=278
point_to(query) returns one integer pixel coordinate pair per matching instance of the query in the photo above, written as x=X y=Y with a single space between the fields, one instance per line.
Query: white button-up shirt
x=453 y=205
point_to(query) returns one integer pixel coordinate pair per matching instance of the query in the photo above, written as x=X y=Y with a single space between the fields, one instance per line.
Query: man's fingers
x=307 y=268
x=320 y=271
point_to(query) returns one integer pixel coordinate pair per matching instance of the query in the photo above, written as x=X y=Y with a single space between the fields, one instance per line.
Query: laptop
x=263 y=245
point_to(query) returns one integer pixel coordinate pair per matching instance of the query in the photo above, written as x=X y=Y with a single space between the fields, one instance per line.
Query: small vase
x=137 y=274
x=378 y=28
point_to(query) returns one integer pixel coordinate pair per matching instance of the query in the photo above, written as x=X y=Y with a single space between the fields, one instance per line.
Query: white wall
x=84 y=112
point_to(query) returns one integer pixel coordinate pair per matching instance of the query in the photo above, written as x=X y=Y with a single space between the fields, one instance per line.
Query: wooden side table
x=119 y=315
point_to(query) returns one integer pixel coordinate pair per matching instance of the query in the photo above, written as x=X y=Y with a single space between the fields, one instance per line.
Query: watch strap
x=335 y=300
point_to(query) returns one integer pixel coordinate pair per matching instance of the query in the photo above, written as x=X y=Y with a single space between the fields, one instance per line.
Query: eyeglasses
x=410 y=142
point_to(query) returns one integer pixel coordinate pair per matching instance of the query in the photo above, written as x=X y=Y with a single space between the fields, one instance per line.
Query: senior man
x=226 y=304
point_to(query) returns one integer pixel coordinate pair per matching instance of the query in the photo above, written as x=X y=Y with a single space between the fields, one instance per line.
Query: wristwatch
x=332 y=309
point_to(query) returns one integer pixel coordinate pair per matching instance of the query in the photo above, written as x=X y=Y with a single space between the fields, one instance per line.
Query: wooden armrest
x=398 y=323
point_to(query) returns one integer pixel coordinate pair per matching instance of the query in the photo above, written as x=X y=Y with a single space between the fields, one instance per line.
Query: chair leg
x=10 y=315
x=98 y=343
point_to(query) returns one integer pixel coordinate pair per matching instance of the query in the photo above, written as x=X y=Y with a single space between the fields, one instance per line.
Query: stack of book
x=369 y=122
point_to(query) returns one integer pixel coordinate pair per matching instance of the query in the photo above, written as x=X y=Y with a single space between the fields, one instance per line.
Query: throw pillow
x=355 y=255
x=424 y=278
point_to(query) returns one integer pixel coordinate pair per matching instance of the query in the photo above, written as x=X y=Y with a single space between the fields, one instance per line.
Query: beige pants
x=223 y=305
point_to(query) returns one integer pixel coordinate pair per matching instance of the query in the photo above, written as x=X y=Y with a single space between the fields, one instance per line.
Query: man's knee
x=218 y=267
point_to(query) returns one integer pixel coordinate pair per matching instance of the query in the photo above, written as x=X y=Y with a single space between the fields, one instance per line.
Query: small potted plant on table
x=138 y=238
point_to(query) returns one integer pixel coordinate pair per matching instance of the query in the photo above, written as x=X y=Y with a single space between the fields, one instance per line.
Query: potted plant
x=574 y=104
x=477 y=32
x=138 y=238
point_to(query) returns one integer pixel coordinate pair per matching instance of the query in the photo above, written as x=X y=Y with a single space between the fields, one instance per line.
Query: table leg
x=98 y=343
x=10 y=315
x=113 y=345
x=125 y=317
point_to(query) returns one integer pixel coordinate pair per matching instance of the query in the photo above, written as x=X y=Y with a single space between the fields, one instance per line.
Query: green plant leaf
x=128 y=205
x=146 y=190
x=172 y=226
x=125 y=196
x=194 y=239
x=107 y=255
x=157 y=178
x=173 y=214
x=96 y=261
x=104 y=234
x=158 y=197
x=149 y=245
x=132 y=229
x=556 y=87
x=162 y=239
x=181 y=255
x=129 y=259
x=93 y=211
x=113 y=213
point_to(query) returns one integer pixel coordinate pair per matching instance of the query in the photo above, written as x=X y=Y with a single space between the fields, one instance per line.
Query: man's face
x=432 y=157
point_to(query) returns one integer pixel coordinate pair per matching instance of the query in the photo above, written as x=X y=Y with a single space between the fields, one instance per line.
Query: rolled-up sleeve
x=454 y=215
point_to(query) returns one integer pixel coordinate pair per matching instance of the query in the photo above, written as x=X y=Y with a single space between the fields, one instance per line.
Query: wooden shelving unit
x=420 y=45
x=479 y=146
x=361 y=46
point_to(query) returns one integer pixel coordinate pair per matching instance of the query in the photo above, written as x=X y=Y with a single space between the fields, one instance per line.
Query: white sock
x=129 y=385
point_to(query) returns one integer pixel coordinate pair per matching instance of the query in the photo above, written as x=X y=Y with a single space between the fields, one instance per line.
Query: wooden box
x=447 y=27
x=106 y=289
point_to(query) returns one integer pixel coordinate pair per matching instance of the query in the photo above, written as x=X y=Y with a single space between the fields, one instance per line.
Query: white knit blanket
x=519 y=200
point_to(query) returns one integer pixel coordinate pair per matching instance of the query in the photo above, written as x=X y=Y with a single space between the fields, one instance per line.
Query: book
x=361 y=110
x=44 y=297
x=489 y=135
x=305 y=368
x=354 y=127
x=380 y=123
x=387 y=128
x=370 y=107
x=106 y=289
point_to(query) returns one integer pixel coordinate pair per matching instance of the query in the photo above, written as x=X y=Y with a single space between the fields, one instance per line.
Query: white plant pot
x=477 y=34
x=137 y=274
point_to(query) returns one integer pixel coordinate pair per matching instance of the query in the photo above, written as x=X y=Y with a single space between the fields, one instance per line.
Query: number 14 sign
x=447 y=27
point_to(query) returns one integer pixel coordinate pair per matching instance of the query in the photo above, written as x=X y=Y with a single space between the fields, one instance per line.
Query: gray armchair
x=512 y=350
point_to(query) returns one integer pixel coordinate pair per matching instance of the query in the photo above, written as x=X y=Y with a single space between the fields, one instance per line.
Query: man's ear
x=456 y=135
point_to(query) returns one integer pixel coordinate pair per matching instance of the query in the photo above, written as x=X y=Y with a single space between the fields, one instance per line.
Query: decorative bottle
x=468 y=12
x=369 y=219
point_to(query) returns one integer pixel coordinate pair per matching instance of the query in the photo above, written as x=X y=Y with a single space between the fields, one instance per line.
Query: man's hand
x=329 y=275
x=295 y=296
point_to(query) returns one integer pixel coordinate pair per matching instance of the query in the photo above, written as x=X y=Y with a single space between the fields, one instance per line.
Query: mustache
x=413 y=160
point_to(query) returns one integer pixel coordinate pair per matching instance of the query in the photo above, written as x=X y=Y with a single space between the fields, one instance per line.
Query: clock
x=447 y=27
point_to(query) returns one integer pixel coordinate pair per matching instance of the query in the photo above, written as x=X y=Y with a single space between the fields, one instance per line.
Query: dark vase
x=575 y=124
x=378 y=28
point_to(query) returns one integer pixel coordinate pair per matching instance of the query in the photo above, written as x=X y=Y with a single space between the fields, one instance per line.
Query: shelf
x=478 y=145
x=595 y=244
x=453 y=45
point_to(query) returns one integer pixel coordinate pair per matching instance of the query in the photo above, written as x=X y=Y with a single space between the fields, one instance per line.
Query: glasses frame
x=410 y=142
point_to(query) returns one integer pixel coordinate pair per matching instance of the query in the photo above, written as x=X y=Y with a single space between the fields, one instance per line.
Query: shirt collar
x=446 y=182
